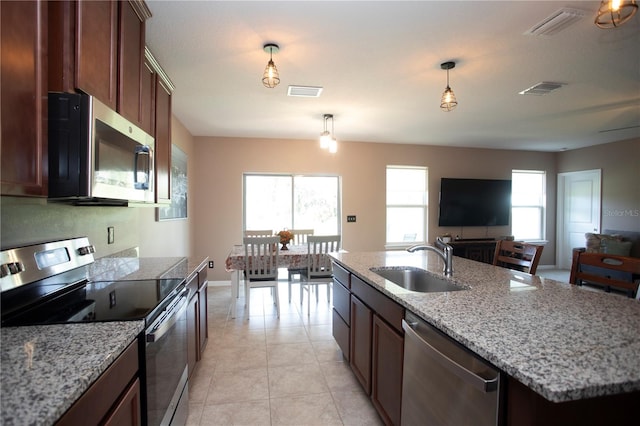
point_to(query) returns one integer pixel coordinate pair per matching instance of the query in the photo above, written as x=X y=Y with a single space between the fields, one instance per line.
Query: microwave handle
x=142 y=150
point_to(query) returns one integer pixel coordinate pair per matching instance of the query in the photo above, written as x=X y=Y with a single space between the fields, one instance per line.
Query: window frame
x=420 y=239
x=542 y=207
x=293 y=177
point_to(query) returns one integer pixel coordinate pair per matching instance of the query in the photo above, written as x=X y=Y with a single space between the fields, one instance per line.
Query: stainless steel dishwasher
x=444 y=383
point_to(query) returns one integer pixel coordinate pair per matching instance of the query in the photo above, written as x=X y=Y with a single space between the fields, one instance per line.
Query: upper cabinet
x=131 y=24
x=98 y=48
x=159 y=93
x=23 y=113
x=96 y=51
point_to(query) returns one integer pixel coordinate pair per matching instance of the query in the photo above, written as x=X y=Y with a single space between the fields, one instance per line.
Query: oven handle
x=169 y=319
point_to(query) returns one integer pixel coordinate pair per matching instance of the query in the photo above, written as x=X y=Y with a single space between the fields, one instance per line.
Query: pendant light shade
x=613 y=13
x=271 y=77
x=328 y=139
x=448 y=101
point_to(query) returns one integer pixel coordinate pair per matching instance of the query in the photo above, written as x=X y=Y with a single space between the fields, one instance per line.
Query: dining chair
x=517 y=255
x=261 y=267
x=318 y=270
x=258 y=233
x=606 y=270
x=299 y=238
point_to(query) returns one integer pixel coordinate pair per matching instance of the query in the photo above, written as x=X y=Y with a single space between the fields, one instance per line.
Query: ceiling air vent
x=556 y=22
x=542 y=88
x=304 y=91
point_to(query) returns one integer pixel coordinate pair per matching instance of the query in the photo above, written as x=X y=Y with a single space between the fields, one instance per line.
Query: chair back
x=517 y=255
x=300 y=235
x=318 y=262
x=261 y=258
x=259 y=233
x=605 y=269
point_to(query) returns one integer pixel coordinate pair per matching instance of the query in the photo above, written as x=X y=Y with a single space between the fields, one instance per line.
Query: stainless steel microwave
x=96 y=156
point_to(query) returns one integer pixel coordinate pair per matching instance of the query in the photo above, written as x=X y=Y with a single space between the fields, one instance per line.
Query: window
x=406 y=205
x=292 y=201
x=528 y=203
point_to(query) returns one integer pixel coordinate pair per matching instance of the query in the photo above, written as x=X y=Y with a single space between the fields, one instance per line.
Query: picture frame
x=179 y=184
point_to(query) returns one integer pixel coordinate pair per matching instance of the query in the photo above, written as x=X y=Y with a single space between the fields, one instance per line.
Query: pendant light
x=448 y=101
x=328 y=140
x=613 y=13
x=271 y=77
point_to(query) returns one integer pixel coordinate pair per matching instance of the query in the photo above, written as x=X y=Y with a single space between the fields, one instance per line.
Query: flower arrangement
x=285 y=236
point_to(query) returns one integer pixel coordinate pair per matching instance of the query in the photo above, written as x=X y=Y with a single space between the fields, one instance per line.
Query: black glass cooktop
x=100 y=301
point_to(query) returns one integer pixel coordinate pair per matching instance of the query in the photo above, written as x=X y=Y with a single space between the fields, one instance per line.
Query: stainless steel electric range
x=49 y=283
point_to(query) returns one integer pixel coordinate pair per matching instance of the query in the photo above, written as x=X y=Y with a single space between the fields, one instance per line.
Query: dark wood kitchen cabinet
x=113 y=399
x=342 y=310
x=163 y=141
x=193 y=311
x=157 y=91
x=197 y=319
x=98 y=47
x=203 y=325
x=386 y=370
x=376 y=341
x=23 y=110
x=361 y=326
x=131 y=58
x=96 y=56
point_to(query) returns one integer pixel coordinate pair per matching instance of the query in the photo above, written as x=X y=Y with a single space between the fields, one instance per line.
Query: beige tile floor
x=264 y=370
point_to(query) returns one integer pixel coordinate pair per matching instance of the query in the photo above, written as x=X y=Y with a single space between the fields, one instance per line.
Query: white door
x=579 y=205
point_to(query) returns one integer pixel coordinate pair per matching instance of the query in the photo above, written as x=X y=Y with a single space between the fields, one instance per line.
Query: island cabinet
x=23 y=110
x=342 y=309
x=375 y=347
x=114 y=398
x=197 y=321
x=524 y=407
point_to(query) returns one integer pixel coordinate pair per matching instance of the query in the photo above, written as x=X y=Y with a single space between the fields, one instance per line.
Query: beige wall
x=172 y=237
x=29 y=220
x=220 y=163
x=620 y=165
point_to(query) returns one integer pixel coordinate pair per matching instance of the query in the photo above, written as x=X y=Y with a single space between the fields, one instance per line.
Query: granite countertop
x=45 y=369
x=563 y=341
x=144 y=268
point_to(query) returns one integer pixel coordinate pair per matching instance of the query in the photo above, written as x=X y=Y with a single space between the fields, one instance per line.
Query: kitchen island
x=561 y=341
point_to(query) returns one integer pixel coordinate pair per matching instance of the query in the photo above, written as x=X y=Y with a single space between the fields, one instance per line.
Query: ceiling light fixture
x=448 y=101
x=328 y=140
x=271 y=77
x=613 y=13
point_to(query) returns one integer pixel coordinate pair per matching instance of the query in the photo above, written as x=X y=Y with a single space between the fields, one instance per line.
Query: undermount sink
x=415 y=279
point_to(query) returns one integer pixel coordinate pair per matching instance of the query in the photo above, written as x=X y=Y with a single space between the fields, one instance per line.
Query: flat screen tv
x=474 y=202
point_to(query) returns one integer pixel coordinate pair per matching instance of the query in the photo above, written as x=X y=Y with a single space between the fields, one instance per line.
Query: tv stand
x=474 y=239
x=478 y=249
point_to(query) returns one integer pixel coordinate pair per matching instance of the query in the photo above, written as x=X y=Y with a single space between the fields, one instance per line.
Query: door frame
x=561 y=226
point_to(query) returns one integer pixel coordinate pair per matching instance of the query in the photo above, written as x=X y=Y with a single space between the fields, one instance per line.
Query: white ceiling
x=379 y=64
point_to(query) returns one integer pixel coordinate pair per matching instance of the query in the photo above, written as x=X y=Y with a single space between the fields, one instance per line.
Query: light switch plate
x=110 y=235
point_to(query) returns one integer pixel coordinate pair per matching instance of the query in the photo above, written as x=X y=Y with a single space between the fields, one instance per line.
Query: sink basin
x=416 y=279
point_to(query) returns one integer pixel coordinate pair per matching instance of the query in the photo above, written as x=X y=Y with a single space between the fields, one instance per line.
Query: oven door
x=166 y=365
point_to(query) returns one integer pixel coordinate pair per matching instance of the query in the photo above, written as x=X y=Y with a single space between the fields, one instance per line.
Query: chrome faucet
x=446 y=254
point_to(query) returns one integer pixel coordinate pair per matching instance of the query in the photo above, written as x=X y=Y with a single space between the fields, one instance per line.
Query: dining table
x=295 y=256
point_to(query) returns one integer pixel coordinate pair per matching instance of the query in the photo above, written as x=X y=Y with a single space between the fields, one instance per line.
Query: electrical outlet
x=110 y=235
x=351 y=218
x=211 y=264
